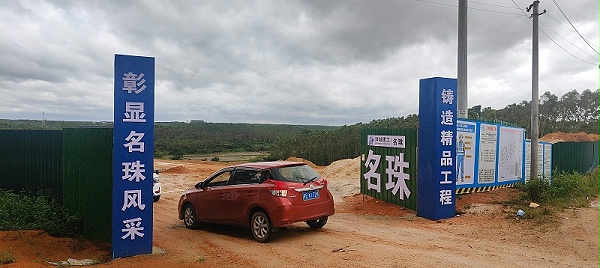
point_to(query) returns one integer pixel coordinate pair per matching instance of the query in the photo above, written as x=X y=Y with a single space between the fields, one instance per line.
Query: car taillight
x=280 y=189
x=280 y=193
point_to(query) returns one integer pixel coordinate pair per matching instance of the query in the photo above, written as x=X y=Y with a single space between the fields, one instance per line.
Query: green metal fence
x=581 y=157
x=87 y=179
x=75 y=164
x=409 y=155
x=31 y=160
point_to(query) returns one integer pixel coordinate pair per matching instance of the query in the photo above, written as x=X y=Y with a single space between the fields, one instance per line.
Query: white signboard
x=386 y=141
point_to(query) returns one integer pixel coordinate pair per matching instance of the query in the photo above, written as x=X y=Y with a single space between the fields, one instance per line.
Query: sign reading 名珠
x=133 y=156
x=389 y=165
x=437 y=148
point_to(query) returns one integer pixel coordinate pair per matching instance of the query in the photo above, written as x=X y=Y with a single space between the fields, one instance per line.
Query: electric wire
x=541 y=30
x=527 y=16
x=585 y=40
x=473 y=8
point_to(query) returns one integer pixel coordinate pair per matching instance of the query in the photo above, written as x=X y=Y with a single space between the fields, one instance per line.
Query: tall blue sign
x=437 y=148
x=133 y=156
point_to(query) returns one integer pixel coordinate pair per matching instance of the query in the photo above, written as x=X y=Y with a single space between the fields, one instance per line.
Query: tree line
x=572 y=112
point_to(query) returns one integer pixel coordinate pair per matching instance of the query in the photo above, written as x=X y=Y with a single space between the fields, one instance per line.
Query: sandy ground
x=364 y=232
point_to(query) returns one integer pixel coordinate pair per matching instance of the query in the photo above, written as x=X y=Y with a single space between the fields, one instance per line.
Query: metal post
x=535 y=132
x=462 y=102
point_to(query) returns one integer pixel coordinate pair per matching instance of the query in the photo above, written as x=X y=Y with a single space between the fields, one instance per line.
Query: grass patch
x=6 y=258
x=567 y=190
x=25 y=211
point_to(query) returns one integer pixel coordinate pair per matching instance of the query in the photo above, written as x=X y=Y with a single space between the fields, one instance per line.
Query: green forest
x=573 y=112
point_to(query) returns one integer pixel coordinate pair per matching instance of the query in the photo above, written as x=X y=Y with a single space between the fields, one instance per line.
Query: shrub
x=537 y=189
x=36 y=212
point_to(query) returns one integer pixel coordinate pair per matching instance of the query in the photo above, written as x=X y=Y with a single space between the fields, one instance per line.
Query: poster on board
x=465 y=152
x=487 y=153
x=510 y=154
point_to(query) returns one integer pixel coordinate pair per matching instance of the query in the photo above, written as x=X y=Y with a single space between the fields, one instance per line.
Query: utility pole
x=462 y=103
x=535 y=111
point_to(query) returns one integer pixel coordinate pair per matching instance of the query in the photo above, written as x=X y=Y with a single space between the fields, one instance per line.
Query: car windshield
x=301 y=173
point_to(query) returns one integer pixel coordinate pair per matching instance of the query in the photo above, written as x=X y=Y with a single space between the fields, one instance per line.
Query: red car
x=263 y=196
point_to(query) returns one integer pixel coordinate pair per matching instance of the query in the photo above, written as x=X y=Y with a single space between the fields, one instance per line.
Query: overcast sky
x=293 y=62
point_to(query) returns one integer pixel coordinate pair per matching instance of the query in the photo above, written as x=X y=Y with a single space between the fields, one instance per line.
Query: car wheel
x=261 y=227
x=156 y=198
x=189 y=217
x=316 y=224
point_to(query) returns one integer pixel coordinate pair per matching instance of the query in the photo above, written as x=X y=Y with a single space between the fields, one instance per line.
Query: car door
x=210 y=203
x=242 y=194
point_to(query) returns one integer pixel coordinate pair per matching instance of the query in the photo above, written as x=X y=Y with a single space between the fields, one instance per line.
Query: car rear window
x=300 y=173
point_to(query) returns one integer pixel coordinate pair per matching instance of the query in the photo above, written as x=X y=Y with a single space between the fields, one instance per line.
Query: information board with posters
x=133 y=156
x=494 y=155
x=437 y=148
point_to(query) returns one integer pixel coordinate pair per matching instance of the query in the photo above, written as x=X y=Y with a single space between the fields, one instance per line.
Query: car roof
x=268 y=165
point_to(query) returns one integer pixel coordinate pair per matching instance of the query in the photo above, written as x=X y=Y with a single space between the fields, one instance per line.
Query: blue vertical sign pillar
x=133 y=156
x=437 y=148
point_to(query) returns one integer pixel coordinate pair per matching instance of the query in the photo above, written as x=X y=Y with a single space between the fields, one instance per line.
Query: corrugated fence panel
x=575 y=156
x=88 y=179
x=31 y=160
x=410 y=156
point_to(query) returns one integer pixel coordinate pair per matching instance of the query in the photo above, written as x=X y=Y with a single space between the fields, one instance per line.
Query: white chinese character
x=446 y=174
x=132 y=198
x=134 y=112
x=134 y=144
x=447 y=95
x=132 y=228
x=395 y=168
x=133 y=170
x=447 y=118
x=447 y=137
x=446 y=160
x=446 y=197
x=372 y=163
x=132 y=81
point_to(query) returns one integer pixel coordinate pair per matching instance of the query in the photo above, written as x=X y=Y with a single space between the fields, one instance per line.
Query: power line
x=580 y=49
x=568 y=28
x=586 y=41
x=473 y=8
x=494 y=5
x=525 y=14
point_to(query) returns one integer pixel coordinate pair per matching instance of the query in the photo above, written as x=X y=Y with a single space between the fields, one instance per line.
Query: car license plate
x=310 y=195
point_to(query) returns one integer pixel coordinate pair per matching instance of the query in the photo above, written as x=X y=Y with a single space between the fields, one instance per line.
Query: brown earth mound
x=565 y=137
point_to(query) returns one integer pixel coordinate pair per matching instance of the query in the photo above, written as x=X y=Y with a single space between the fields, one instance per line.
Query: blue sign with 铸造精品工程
x=436 y=197
x=133 y=156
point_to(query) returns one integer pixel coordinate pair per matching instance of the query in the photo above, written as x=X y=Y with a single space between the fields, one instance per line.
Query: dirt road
x=365 y=232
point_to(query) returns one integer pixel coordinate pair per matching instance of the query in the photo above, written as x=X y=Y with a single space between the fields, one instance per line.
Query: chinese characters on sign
x=395 y=169
x=386 y=141
x=133 y=155
x=446 y=145
x=437 y=148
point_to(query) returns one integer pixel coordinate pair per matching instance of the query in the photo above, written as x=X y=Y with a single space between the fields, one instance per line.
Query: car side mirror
x=199 y=185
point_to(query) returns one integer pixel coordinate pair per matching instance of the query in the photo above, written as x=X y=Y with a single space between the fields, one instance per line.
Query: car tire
x=156 y=198
x=317 y=224
x=261 y=228
x=189 y=217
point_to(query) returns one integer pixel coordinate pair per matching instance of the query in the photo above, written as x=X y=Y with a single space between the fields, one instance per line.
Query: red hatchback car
x=263 y=196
